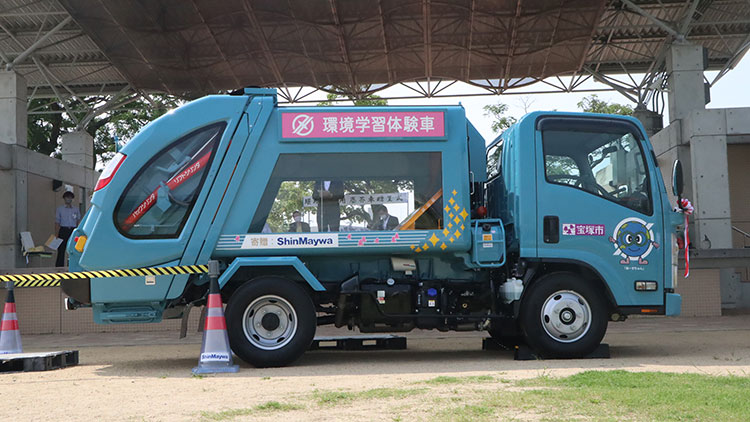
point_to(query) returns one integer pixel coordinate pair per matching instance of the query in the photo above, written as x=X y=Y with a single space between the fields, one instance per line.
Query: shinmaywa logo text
x=303 y=241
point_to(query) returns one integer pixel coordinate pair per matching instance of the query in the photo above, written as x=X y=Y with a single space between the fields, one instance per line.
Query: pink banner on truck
x=364 y=124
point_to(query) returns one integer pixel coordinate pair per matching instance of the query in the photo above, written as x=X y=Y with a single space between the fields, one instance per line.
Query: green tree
x=51 y=120
x=592 y=104
x=341 y=94
x=500 y=121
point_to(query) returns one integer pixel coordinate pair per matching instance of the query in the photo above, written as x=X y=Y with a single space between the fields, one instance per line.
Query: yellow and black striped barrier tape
x=53 y=279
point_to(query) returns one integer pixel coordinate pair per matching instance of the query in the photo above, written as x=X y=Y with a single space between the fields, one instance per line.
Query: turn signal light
x=80 y=243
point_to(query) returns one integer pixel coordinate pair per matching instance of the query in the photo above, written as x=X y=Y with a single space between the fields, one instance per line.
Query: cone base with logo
x=10 y=336
x=216 y=355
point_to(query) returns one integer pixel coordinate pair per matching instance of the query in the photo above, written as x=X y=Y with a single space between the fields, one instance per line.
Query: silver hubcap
x=269 y=322
x=566 y=316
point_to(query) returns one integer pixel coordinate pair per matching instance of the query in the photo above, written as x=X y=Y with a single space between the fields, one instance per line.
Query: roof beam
x=427 y=37
x=21 y=57
x=342 y=46
x=263 y=43
x=511 y=46
x=385 y=42
x=658 y=22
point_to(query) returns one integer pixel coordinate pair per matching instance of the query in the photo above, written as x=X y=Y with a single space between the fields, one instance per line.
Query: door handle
x=551 y=229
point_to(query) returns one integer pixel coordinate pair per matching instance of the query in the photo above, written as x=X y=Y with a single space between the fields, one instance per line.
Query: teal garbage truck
x=386 y=219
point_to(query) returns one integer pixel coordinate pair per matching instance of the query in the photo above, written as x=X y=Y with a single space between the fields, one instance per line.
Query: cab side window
x=158 y=200
x=609 y=165
x=494 y=157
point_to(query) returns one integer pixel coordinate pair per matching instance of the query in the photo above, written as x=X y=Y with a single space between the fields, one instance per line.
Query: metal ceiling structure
x=72 y=48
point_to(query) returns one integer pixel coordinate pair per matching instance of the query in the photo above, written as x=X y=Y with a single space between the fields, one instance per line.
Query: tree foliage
x=592 y=104
x=50 y=121
x=500 y=121
x=341 y=94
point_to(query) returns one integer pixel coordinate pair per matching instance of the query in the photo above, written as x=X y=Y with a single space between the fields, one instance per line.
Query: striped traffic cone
x=216 y=356
x=10 y=336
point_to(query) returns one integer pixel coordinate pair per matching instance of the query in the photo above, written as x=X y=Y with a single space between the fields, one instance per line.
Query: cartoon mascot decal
x=633 y=240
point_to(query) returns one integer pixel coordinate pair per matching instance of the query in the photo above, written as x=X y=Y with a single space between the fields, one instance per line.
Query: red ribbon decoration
x=191 y=170
x=686 y=208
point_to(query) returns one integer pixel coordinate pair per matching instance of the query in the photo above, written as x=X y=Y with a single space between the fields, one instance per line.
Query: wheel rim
x=269 y=322
x=566 y=316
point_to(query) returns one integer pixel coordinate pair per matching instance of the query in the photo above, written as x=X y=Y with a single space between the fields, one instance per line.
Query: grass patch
x=442 y=380
x=387 y=393
x=267 y=407
x=274 y=406
x=225 y=415
x=333 y=398
x=329 y=398
x=618 y=395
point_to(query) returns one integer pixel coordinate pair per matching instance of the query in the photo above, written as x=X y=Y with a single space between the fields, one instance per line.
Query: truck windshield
x=607 y=164
x=158 y=200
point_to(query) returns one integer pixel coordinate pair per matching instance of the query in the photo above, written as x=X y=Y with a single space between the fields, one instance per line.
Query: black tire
x=569 y=296
x=272 y=295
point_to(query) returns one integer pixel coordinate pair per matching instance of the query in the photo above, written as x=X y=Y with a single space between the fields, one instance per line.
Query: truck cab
x=381 y=218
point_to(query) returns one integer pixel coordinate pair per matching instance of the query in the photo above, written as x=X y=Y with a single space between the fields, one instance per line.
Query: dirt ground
x=134 y=377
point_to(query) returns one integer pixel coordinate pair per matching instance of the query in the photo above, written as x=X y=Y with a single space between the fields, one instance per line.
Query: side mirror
x=677 y=182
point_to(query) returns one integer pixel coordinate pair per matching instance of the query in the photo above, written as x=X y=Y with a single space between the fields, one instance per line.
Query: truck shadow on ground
x=424 y=361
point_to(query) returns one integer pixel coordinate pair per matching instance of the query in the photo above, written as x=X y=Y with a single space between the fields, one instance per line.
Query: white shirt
x=326 y=184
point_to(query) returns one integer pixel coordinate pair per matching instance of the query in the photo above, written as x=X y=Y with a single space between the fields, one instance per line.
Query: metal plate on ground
x=524 y=352
x=38 y=361
x=378 y=342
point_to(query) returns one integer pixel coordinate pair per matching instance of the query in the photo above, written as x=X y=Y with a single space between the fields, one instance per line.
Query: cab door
x=595 y=202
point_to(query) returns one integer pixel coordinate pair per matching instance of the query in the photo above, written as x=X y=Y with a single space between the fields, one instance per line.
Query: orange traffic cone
x=216 y=356
x=10 y=336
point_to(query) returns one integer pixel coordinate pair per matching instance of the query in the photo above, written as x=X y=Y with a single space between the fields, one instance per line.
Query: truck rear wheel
x=271 y=321
x=563 y=316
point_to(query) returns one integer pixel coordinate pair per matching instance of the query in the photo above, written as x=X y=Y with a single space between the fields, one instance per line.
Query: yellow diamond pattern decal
x=412 y=247
x=443 y=246
x=450 y=225
x=462 y=227
x=454 y=191
x=419 y=249
x=457 y=220
x=450 y=215
x=446 y=232
x=464 y=214
x=451 y=239
x=456 y=207
x=447 y=208
x=452 y=201
x=434 y=239
x=457 y=234
x=425 y=247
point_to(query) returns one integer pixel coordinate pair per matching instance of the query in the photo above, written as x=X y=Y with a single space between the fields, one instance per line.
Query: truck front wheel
x=271 y=321
x=563 y=316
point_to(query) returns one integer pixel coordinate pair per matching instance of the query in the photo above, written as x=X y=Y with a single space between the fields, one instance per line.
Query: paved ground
x=147 y=376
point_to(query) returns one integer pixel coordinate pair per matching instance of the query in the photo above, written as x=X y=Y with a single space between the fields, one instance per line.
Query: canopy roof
x=355 y=46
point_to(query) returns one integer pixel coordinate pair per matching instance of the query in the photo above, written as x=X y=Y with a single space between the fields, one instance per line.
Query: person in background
x=384 y=220
x=298 y=225
x=67 y=218
x=328 y=193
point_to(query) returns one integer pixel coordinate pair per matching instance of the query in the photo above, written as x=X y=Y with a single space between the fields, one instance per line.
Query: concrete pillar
x=13 y=187
x=78 y=148
x=12 y=108
x=685 y=65
x=652 y=121
x=707 y=134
